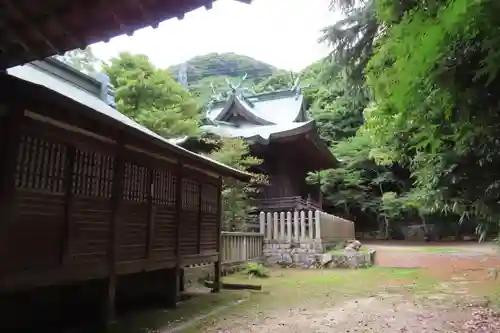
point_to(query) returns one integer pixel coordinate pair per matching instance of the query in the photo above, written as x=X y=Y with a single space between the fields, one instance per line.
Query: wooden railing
x=286 y=203
x=239 y=247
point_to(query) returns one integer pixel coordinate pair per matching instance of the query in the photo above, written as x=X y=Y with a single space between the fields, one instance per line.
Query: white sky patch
x=283 y=33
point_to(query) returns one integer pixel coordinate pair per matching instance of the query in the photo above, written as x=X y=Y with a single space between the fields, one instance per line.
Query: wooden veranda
x=90 y=198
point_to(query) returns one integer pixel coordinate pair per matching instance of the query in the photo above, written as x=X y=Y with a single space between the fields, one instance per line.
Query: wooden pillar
x=174 y=288
x=10 y=142
x=69 y=203
x=116 y=200
x=218 y=263
x=151 y=214
x=200 y=211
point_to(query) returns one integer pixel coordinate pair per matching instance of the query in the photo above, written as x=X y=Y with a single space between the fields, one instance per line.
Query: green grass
x=284 y=288
x=429 y=249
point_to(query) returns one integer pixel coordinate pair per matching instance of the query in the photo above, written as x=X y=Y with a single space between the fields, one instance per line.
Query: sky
x=283 y=33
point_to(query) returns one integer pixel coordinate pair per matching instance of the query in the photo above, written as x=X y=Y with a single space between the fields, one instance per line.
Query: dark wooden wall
x=80 y=206
x=286 y=175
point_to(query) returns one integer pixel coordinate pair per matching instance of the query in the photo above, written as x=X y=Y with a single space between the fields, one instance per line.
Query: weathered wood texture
x=287 y=188
x=68 y=223
x=35 y=30
x=241 y=247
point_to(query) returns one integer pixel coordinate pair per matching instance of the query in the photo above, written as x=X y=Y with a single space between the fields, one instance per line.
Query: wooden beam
x=10 y=142
x=116 y=200
x=178 y=220
x=151 y=215
x=218 y=263
x=198 y=237
x=69 y=203
x=27 y=22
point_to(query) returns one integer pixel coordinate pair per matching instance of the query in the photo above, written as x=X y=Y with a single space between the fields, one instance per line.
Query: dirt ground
x=421 y=289
x=450 y=292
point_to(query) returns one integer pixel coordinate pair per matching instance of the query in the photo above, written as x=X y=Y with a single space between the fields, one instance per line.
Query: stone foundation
x=350 y=259
x=291 y=252
x=298 y=252
x=309 y=252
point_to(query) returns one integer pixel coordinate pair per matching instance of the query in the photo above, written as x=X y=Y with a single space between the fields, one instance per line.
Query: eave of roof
x=34 y=29
x=268 y=108
x=242 y=108
x=261 y=134
x=31 y=76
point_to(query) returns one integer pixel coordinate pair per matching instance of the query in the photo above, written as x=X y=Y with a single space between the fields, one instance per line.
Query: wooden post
x=275 y=226
x=69 y=203
x=218 y=263
x=317 y=222
x=302 y=225
x=289 y=226
x=269 y=226
x=296 y=225
x=173 y=294
x=282 y=226
x=116 y=200
x=198 y=237
x=244 y=253
x=11 y=143
x=262 y=221
x=151 y=214
x=310 y=224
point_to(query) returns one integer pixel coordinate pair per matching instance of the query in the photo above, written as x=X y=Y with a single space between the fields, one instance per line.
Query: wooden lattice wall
x=81 y=205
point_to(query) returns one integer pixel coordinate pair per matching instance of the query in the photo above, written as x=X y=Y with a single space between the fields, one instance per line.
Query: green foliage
x=237 y=196
x=255 y=269
x=279 y=80
x=151 y=96
x=225 y=64
x=212 y=70
x=352 y=38
x=442 y=69
x=83 y=60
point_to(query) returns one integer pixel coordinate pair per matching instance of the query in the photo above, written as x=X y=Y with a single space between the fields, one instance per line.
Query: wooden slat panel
x=33 y=240
x=134 y=213
x=132 y=231
x=189 y=217
x=208 y=241
x=189 y=232
x=90 y=230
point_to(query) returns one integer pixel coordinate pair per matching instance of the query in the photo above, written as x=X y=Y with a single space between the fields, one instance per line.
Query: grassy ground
x=292 y=299
x=429 y=249
x=312 y=288
x=292 y=287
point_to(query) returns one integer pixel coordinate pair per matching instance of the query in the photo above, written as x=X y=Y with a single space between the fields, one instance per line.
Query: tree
x=434 y=78
x=151 y=96
x=352 y=38
x=83 y=60
x=237 y=196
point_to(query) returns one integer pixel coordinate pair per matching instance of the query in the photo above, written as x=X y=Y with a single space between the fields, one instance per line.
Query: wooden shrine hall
x=279 y=131
x=94 y=208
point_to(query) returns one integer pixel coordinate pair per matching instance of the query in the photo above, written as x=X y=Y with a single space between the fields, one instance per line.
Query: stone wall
x=295 y=252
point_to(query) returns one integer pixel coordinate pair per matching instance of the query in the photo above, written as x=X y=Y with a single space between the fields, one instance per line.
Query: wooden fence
x=239 y=247
x=305 y=225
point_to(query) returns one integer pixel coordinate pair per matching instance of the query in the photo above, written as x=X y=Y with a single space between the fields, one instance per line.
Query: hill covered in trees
x=213 y=69
x=226 y=65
